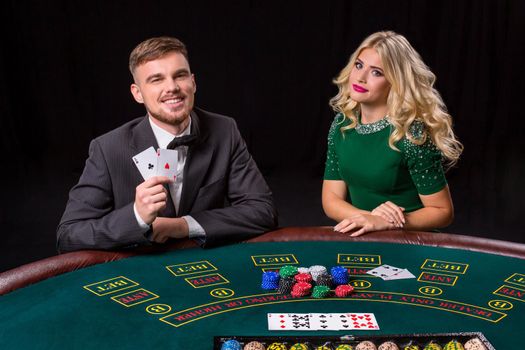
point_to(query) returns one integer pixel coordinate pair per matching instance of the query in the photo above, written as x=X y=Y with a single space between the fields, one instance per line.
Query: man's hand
x=363 y=223
x=150 y=197
x=165 y=228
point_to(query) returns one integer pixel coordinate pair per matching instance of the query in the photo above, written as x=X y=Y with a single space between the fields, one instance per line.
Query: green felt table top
x=183 y=297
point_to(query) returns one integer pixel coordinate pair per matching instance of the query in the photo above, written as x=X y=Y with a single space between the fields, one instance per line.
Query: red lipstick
x=359 y=88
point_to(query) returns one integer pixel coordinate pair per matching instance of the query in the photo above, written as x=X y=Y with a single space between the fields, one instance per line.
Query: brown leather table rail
x=40 y=270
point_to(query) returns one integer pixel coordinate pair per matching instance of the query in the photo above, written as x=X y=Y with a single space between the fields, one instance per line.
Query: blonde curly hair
x=412 y=96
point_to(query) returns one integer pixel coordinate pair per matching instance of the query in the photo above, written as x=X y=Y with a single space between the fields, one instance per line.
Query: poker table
x=181 y=296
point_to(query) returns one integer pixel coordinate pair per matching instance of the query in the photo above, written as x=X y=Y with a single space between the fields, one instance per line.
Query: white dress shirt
x=163 y=138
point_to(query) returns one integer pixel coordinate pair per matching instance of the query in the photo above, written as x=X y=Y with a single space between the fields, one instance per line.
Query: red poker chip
x=303 y=277
x=343 y=290
x=301 y=289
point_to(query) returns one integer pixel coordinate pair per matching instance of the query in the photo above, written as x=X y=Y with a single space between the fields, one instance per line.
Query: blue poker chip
x=270 y=280
x=339 y=275
x=231 y=344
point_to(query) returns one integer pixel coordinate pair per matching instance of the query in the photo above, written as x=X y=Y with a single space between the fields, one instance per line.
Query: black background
x=269 y=64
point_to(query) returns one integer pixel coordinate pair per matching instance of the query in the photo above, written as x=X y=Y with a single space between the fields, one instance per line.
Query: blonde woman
x=389 y=143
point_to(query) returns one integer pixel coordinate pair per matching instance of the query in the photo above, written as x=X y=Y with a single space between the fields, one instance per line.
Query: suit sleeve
x=251 y=211
x=90 y=220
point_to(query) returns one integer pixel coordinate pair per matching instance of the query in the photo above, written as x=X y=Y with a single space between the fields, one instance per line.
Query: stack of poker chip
x=270 y=280
x=320 y=292
x=300 y=282
x=339 y=275
x=343 y=290
x=285 y=285
x=301 y=289
x=316 y=271
x=231 y=344
x=254 y=345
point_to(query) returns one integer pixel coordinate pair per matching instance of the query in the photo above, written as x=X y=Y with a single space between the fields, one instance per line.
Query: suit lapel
x=142 y=137
x=196 y=168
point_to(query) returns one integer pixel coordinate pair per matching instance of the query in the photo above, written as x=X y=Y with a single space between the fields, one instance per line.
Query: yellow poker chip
x=412 y=347
x=344 y=347
x=277 y=346
x=299 y=346
x=433 y=346
x=322 y=347
x=453 y=345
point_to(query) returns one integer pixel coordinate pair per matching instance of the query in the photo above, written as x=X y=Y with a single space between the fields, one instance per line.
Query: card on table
x=384 y=271
x=403 y=274
x=322 y=321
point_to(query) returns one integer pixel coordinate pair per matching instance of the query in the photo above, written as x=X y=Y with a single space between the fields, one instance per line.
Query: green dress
x=375 y=173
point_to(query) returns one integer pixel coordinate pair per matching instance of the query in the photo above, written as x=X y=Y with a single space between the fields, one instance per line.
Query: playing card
x=146 y=162
x=320 y=321
x=403 y=274
x=365 y=321
x=384 y=271
x=167 y=162
x=281 y=322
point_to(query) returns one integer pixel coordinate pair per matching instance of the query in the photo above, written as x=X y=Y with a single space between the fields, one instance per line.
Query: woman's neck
x=372 y=114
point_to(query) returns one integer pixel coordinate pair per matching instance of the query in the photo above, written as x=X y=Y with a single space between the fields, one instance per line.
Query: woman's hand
x=363 y=223
x=391 y=213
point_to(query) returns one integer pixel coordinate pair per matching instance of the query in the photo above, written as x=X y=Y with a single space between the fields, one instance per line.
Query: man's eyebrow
x=153 y=76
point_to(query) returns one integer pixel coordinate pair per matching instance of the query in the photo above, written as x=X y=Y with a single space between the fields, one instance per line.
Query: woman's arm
x=334 y=201
x=438 y=211
x=350 y=219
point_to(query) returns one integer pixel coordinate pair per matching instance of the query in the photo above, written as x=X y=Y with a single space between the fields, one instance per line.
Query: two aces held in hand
x=161 y=163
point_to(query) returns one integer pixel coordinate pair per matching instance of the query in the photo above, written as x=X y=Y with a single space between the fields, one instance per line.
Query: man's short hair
x=154 y=48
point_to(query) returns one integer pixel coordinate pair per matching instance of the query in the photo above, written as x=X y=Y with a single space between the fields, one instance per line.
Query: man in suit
x=219 y=196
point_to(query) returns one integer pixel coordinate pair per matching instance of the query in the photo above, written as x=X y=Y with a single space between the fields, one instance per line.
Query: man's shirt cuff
x=141 y=222
x=194 y=228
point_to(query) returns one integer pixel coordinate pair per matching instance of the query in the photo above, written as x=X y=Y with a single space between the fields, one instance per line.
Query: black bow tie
x=186 y=140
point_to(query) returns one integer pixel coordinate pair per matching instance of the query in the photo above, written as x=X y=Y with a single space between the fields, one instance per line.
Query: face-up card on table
x=167 y=162
x=366 y=321
x=384 y=271
x=403 y=274
x=283 y=322
x=322 y=321
x=146 y=162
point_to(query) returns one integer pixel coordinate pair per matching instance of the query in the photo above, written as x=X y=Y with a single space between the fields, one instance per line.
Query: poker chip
x=343 y=290
x=303 y=277
x=285 y=285
x=231 y=344
x=388 y=345
x=323 y=347
x=453 y=345
x=303 y=269
x=316 y=271
x=288 y=271
x=339 y=275
x=433 y=346
x=277 y=346
x=475 y=344
x=324 y=280
x=344 y=347
x=320 y=292
x=299 y=346
x=365 y=345
x=411 y=347
x=270 y=280
x=254 y=345
x=301 y=289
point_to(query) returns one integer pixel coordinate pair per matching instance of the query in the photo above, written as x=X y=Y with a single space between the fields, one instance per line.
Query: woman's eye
x=358 y=65
x=377 y=73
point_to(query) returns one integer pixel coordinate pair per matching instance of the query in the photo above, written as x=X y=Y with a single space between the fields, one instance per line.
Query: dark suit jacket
x=223 y=189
